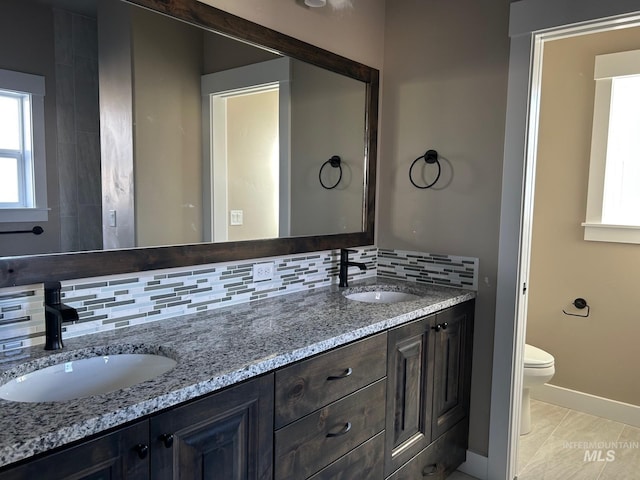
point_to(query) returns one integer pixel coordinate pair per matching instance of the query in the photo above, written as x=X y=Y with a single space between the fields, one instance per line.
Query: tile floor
x=555 y=448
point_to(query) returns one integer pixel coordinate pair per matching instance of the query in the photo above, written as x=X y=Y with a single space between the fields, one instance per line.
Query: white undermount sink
x=85 y=377
x=382 y=296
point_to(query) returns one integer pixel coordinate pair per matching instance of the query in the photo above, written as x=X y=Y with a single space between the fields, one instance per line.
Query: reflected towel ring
x=335 y=162
x=430 y=157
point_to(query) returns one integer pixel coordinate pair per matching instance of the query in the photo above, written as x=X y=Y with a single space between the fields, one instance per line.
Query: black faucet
x=345 y=264
x=55 y=313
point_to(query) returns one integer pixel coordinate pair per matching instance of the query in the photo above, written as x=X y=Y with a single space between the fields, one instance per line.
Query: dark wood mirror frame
x=30 y=269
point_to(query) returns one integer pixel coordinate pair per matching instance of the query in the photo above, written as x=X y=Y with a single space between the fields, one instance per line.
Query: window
x=613 y=201
x=23 y=190
x=621 y=202
x=15 y=150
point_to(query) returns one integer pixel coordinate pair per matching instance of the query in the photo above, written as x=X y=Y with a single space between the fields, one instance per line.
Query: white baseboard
x=587 y=403
x=476 y=466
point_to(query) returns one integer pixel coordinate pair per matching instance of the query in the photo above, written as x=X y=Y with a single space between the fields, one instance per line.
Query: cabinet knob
x=142 y=450
x=167 y=439
x=430 y=470
x=344 y=374
x=445 y=325
x=436 y=328
x=343 y=431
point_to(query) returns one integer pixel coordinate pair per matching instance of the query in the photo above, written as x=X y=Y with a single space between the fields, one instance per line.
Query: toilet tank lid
x=536 y=357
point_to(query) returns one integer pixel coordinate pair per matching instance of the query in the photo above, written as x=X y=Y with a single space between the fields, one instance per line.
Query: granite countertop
x=213 y=349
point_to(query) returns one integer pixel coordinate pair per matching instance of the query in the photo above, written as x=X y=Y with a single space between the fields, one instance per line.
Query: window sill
x=602 y=232
x=15 y=215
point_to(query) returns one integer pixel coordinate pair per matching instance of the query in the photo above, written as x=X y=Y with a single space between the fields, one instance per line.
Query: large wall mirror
x=177 y=134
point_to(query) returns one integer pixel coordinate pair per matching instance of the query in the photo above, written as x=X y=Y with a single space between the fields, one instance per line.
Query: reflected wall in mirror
x=119 y=131
x=159 y=132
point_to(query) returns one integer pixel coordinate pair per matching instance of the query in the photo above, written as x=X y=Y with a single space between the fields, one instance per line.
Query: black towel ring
x=335 y=162
x=430 y=158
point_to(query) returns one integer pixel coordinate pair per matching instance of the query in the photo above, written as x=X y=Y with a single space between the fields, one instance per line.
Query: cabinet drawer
x=306 y=446
x=311 y=384
x=362 y=462
x=439 y=459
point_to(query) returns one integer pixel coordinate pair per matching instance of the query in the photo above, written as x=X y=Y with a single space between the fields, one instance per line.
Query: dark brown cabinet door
x=409 y=394
x=123 y=454
x=429 y=379
x=226 y=436
x=438 y=460
x=452 y=367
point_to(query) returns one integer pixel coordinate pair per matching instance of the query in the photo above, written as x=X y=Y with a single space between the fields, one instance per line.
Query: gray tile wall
x=78 y=125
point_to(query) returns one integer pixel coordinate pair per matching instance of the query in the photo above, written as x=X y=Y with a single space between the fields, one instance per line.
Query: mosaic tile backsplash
x=447 y=270
x=117 y=301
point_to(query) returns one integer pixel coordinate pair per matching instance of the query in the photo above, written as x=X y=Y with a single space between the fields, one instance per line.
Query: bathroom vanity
x=307 y=385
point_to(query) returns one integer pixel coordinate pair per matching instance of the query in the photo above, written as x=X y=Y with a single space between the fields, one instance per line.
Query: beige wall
x=167 y=130
x=356 y=33
x=445 y=75
x=252 y=164
x=223 y=53
x=326 y=120
x=598 y=354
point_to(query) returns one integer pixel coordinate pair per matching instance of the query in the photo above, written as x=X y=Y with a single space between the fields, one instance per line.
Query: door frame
x=530 y=22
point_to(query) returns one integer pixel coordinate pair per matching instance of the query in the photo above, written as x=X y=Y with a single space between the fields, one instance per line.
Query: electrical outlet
x=263 y=271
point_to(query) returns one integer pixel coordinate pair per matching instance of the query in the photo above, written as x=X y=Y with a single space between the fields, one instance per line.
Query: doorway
x=245 y=164
x=531 y=23
x=592 y=364
x=246 y=152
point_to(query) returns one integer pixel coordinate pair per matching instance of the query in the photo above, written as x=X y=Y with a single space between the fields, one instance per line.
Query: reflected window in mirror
x=22 y=163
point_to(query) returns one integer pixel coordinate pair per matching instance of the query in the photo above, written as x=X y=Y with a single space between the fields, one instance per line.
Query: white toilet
x=538 y=370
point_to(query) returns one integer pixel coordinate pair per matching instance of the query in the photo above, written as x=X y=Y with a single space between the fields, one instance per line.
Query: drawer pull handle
x=430 y=470
x=344 y=430
x=344 y=374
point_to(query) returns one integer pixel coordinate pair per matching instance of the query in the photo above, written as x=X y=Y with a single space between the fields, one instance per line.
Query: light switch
x=236 y=217
x=112 y=218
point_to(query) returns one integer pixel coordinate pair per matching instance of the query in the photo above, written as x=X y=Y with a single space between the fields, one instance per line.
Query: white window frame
x=607 y=67
x=35 y=209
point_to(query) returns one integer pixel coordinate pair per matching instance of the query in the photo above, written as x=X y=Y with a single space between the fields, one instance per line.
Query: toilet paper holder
x=580 y=304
